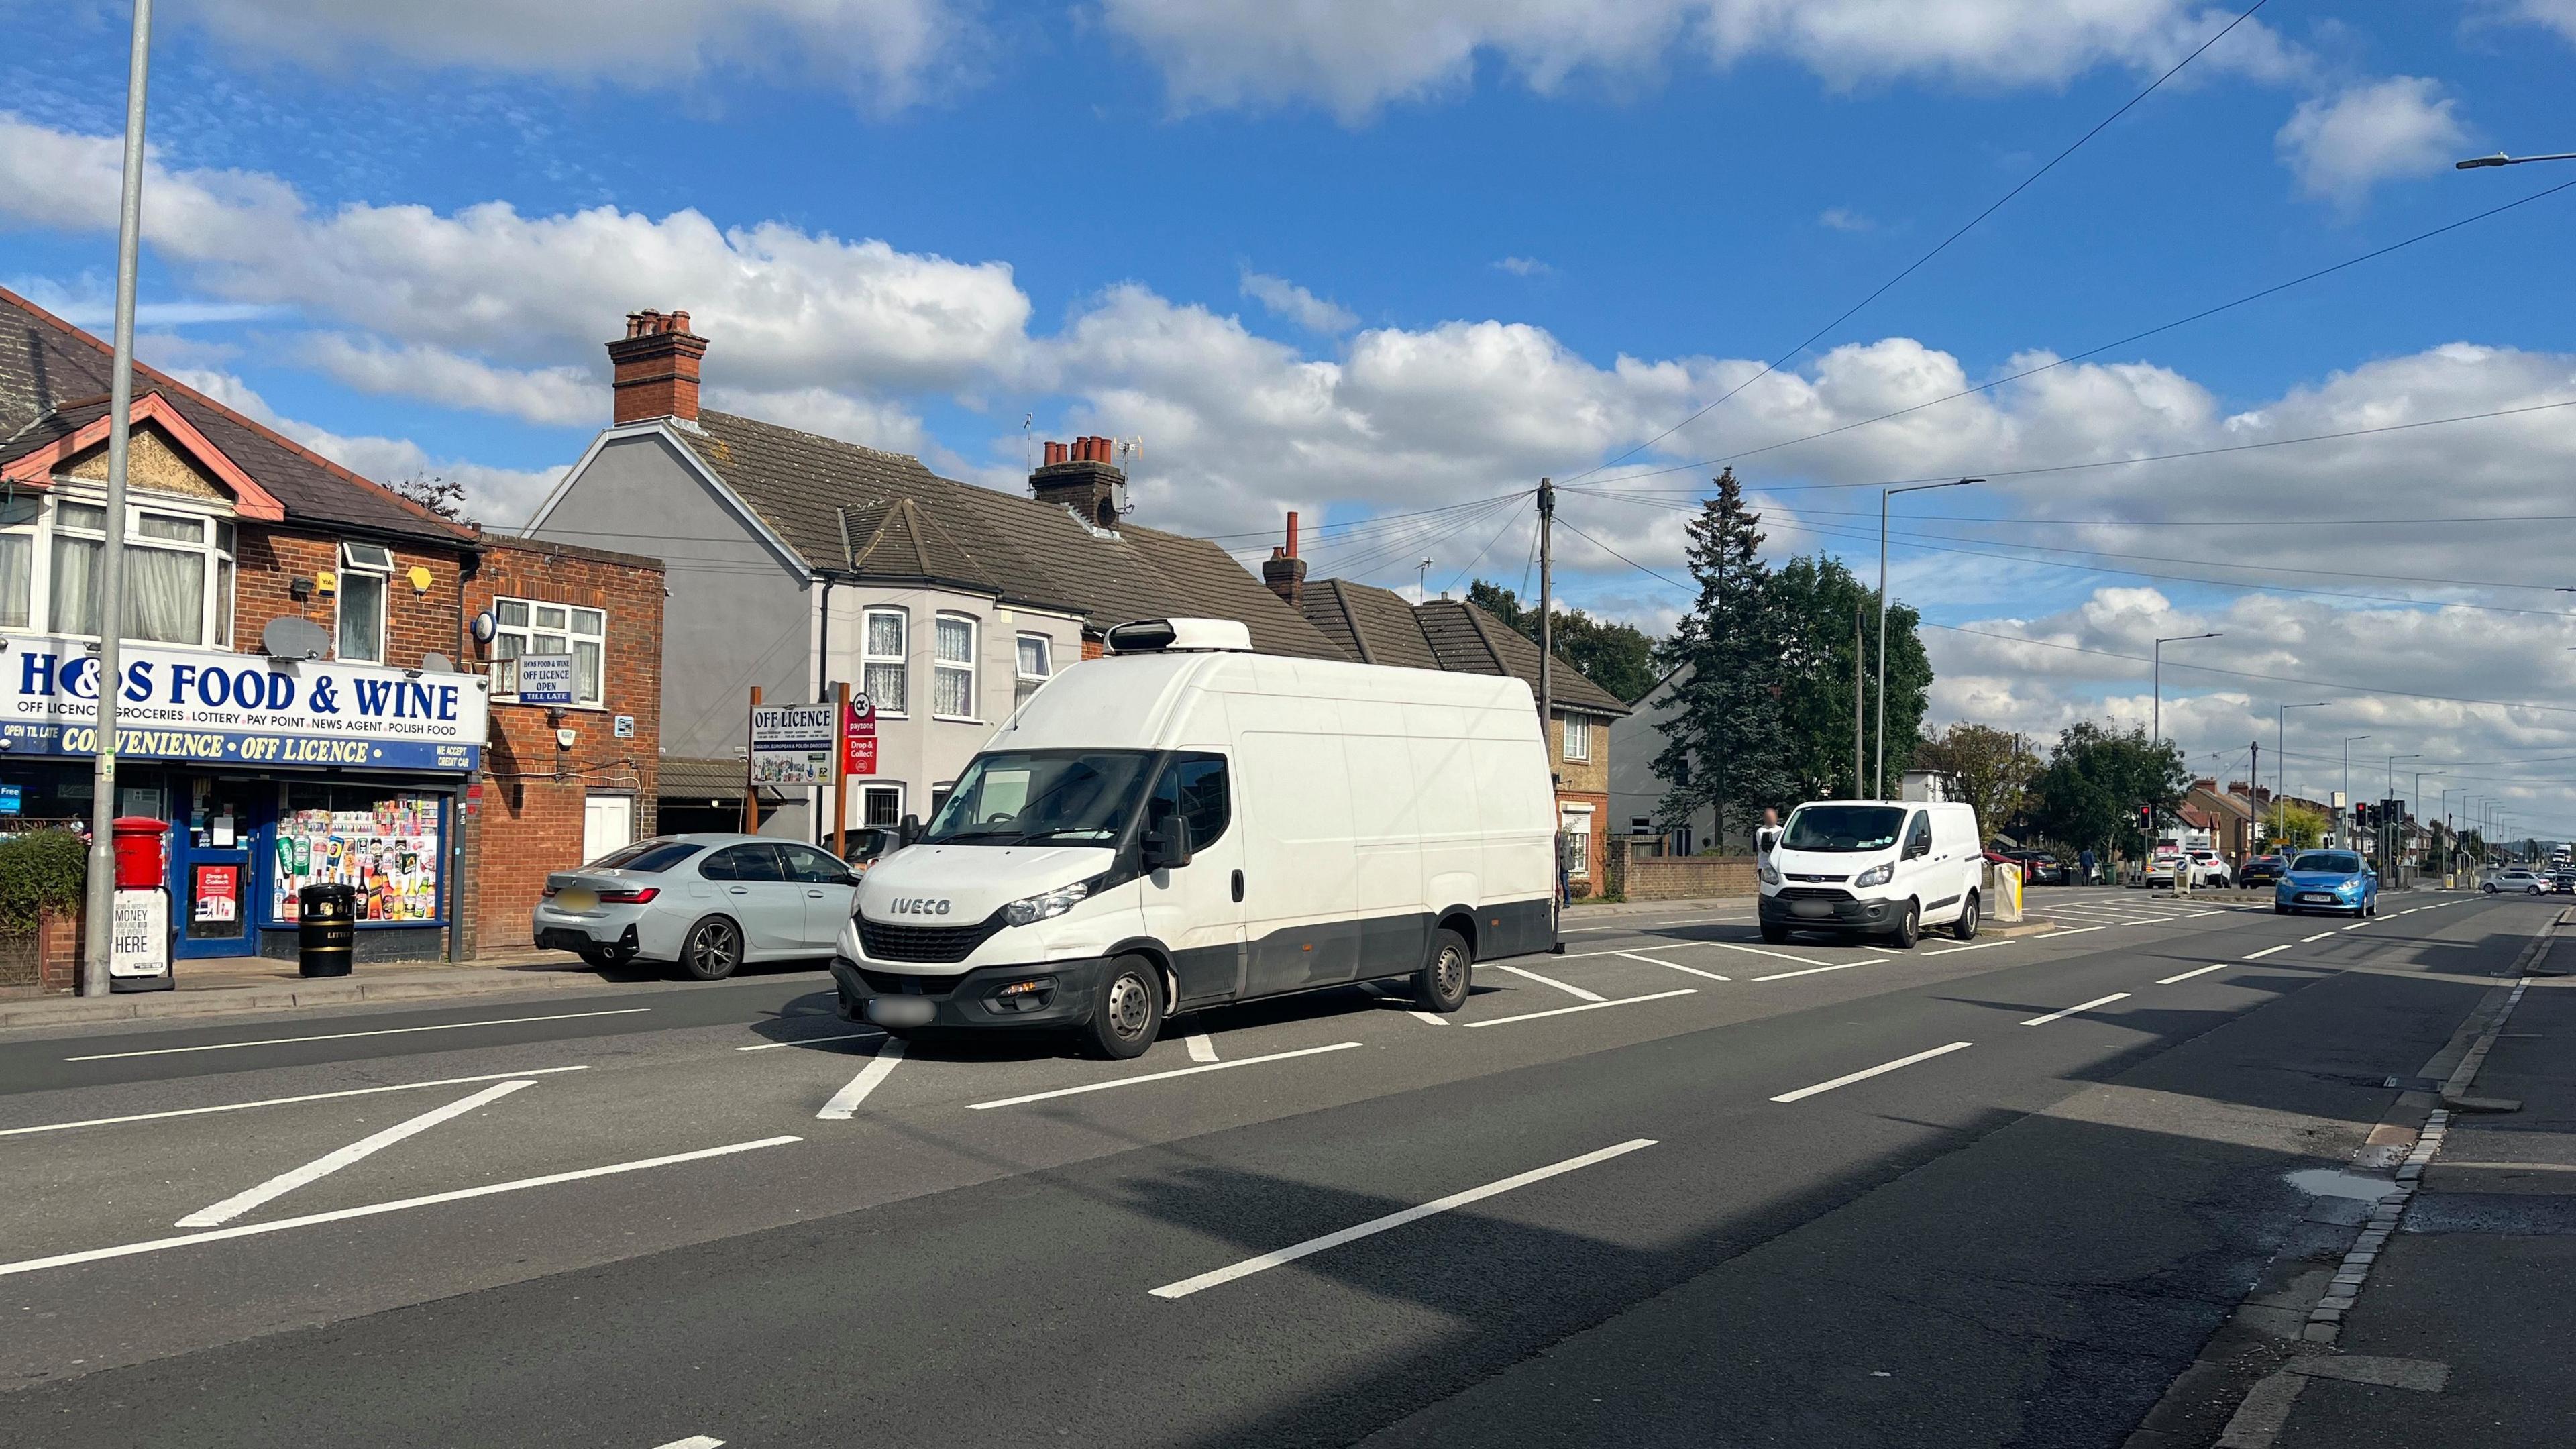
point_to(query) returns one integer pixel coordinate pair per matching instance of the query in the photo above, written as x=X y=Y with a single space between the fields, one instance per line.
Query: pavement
x=1677 y=1186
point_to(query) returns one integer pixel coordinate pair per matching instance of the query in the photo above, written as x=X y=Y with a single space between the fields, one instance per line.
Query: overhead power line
x=1944 y=245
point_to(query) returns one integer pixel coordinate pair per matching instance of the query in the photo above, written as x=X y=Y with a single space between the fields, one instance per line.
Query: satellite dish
x=288 y=637
x=434 y=662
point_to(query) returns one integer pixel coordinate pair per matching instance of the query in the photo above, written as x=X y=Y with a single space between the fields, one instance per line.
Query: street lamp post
x=2343 y=835
x=2159 y=707
x=2281 y=758
x=1884 y=494
x=2500 y=159
x=2389 y=833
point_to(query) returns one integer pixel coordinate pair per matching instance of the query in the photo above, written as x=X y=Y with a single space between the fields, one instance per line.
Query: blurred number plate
x=576 y=900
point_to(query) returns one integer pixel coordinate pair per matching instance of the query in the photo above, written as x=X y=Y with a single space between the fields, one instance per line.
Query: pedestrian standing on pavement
x=2084 y=858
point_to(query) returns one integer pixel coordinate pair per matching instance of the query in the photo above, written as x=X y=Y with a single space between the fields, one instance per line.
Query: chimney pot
x=1292 y=533
x=656 y=368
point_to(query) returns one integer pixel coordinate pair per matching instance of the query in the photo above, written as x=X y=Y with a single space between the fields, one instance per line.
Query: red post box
x=142 y=855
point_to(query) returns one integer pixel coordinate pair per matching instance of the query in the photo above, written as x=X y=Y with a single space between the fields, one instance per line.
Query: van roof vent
x=1154 y=636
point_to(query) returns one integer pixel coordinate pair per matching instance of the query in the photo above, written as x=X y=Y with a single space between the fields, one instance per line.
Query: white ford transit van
x=1874 y=867
x=1184 y=823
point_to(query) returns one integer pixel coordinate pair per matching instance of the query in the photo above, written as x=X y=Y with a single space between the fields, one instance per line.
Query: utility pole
x=1547 y=622
x=2343 y=813
x=2253 y=808
x=99 y=926
x=1860 y=704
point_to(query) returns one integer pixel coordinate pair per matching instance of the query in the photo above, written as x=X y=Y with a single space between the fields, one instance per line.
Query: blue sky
x=1528 y=238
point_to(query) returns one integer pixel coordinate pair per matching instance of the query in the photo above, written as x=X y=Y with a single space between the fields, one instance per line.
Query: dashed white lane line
x=217 y=1046
x=1339 y=1046
x=1587 y=1006
x=846 y=1101
x=2355 y=926
x=771 y=1046
x=1576 y=992
x=1865 y=1073
x=1249 y=1266
x=1676 y=966
x=694 y=1441
x=1433 y=1017
x=2197 y=971
x=1883 y=950
x=2319 y=936
x=1758 y=951
x=358 y=1151
x=1201 y=1049
x=282 y=1101
x=1955 y=950
x=2077 y=1010
x=2078 y=931
x=248 y=1230
x=1814 y=970
x=2270 y=951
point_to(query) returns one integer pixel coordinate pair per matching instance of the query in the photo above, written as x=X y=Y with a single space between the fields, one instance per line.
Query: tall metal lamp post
x=1884 y=494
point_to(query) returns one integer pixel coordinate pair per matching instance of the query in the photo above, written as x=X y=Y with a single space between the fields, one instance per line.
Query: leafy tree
x=2301 y=827
x=1726 y=746
x=1618 y=657
x=1822 y=608
x=1991 y=769
x=2089 y=795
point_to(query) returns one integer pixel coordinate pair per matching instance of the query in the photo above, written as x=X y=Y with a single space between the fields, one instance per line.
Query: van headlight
x=1876 y=875
x=1045 y=907
x=1770 y=876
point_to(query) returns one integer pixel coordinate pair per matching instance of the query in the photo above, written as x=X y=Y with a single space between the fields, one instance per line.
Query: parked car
x=2038 y=867
x=2563 y=883
x=1869 y=867
x=2262 y=870
x=2514 y=878
x=705 y=903
x=1183 y=823
x=2327 y=880
x=2160 y=867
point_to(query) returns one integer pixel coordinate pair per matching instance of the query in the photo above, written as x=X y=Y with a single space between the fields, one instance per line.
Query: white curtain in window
x=955 y=676
x=17 y=579
x=884 y=675
x=585 y=667
x=165 y=596
x=74 y=611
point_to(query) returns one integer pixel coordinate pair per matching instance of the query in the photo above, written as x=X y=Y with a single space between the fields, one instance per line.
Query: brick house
x=561 y=783
x=1378 y=626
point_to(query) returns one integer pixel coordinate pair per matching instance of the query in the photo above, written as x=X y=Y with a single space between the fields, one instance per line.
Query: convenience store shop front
x=272 y=775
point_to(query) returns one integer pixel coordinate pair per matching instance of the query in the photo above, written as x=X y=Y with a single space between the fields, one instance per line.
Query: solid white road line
x=1758 y=951
x=2197 y=971
x=1201 y=1049
x=1373 y=1226
x=1574 y=991
x=283 y=1101
x=1866 y=1073
x=694 y=1441
x=846 y=1101
x=771 y=1046
x=1814 y=970
x=2269 y=951
x=2319 y=936
x=1339 y=1046
x=2077 y=1010
x=346 y=1035
x=2078 y=931
x=331 y=1162
x=250 y=1230
x=1676 y=966
x=1587 y=1006
x=1955 y=950
x=1883 y=950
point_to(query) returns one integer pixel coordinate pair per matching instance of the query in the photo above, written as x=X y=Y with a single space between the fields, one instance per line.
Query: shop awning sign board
x=222 y=708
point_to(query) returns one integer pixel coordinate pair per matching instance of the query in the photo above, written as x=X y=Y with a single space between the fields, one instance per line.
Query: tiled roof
x=48 y=366
x=685 y=778
x=908 y=524
x=1376 y=626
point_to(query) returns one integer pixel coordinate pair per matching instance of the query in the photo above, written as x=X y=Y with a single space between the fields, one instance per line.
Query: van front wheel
x=1444 y=978
x=1128 y=1013
x=1910 y=930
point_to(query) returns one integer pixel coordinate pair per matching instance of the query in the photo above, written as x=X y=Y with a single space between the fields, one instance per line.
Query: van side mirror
x=1917 y=847
x=909 y=832
x=1167 y=845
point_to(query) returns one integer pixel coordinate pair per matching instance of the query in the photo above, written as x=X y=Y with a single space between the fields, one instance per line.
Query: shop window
x=953 y=671
x=365 y=570
x=178 y=571
x=385 y=844
x=885 y=662
x=529 y=626
x=1036 y=655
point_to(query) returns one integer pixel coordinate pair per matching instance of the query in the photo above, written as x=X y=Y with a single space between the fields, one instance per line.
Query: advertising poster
x=859 y=737
x=791 y=744
x=218 y=893
x=545 y=679
x=139 y=934
x=388 y=854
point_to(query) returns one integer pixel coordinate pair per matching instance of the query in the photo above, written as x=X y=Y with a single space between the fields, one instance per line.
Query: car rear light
x=629 y=898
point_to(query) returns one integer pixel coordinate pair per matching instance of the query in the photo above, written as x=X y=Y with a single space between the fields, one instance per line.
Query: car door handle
x=816 y=895
x=738 y=890
x=1238 y=887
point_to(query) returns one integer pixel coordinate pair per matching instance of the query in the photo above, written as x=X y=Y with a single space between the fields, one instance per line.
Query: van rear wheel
x=1128 y=1013
x=1965 y=928
x=1442 y=983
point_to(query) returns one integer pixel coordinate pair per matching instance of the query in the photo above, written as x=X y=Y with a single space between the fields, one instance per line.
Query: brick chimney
x=657 y=368
x=1284 y=572
x=1082 y=476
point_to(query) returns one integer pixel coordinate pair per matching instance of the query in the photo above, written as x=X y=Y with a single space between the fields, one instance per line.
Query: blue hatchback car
x=2327 y=880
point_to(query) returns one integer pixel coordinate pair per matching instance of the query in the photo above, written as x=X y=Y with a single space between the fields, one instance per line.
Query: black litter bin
x=326 y=928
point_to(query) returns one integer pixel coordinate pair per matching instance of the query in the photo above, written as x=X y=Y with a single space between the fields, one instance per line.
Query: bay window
x=953 y=671
x=884 y=658
x=178 y=570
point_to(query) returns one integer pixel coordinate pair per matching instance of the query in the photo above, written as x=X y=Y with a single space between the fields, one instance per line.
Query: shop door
x=212 y=865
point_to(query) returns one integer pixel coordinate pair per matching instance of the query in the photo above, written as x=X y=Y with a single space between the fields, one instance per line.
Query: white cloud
x=1843 y=218
x=1286 y=299
x=2558 y=15
x=1352 y=58
x=2341 y=146
x=886 y=52
x=564 y=395
x=1523 y=267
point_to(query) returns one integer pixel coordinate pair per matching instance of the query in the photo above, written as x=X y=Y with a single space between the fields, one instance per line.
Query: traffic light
x=2147 y=819
x=2365 y=816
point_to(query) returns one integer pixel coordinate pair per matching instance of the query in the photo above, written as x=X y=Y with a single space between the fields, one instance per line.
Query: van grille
x=888 y=983
x=1813 y=893
x=925 y=945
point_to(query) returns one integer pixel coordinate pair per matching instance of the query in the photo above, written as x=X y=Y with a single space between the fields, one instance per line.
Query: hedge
x=41 y=869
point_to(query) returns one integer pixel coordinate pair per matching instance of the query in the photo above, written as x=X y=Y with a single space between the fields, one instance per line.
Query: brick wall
x=417 y=621
x=1589 y=777
x=46 y=962
x=528 y=820
x=1688 y=877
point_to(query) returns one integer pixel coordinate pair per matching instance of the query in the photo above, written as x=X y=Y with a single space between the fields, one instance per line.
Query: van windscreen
x=1844 y=827
x=1013 y=796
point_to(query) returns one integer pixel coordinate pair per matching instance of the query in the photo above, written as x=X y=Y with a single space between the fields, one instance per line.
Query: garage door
x=607 y=822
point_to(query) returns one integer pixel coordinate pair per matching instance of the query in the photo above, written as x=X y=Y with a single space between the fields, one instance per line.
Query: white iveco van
x=1185 y=822
x=1874 y=867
